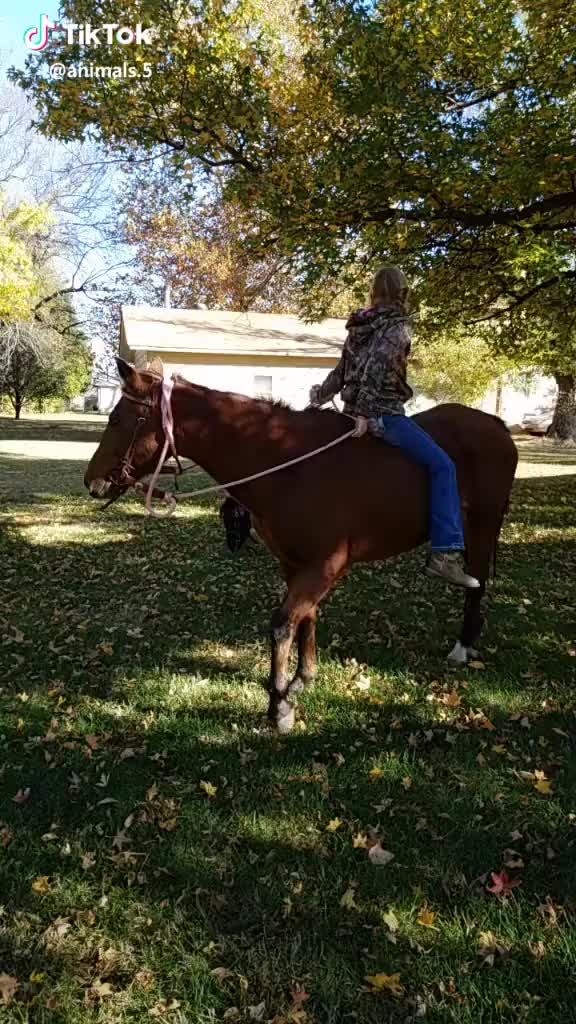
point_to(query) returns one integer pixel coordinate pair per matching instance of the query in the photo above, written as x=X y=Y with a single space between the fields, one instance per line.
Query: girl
x=371 y=377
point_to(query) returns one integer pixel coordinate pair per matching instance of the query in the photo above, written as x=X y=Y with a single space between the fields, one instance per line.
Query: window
x=262 y=386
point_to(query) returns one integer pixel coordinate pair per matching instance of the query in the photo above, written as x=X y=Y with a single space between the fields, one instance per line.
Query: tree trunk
x=17 y=410
x=563 y=426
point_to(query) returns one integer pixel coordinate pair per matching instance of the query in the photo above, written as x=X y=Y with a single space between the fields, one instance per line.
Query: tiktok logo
x=36 y=38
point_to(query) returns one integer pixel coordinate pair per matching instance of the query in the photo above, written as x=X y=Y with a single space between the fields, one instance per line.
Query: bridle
x=124 y=478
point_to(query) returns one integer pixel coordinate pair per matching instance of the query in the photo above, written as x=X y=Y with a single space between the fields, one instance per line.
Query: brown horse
x=358 y=501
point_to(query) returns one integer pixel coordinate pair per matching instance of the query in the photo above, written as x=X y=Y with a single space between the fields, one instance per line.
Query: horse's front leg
x=307 y=662
x=306 y=588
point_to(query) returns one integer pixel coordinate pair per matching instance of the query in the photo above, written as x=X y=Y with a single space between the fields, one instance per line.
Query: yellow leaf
x=476 y=664
x=152 y=793
x=426 y=918
x=386 y=983
x=37 y=977
x=407 y=782
x=499 y=749
x=209 y=789
x=543 y=786
x=376 y=773
x=41 y=885
x=334 y=824
x=391 y=920
x=359 y=841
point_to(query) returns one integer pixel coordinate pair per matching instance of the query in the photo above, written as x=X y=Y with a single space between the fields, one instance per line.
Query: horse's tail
x=503 y=515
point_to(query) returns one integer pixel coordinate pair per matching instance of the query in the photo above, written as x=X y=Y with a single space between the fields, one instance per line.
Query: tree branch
x=525 y=296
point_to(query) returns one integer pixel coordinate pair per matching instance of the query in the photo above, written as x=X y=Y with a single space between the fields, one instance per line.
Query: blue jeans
x=446 y=529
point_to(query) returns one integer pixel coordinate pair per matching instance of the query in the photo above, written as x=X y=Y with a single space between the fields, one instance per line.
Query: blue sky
x=15 y=17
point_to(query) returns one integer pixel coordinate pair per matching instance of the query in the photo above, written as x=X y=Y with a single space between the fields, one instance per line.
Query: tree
x=21 y=225
x=456 y=365
x=37 y=364
x=435 y=135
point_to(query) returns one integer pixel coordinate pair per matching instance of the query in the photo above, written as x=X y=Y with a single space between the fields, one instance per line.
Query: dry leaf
x=376 y=773
x=8 y=988
x=41 y=885
x=360 y=841
x=391 y=920
x=379 y=856
x=163 y=1007
x=386 y=983
x=426 y=919
x=476 y=664
x=21 y=796
x=543 y=786
x=102 y=989
x=503 y=885
x=348 y=900
x=152 y=793
x=333 y=825
x=209 y=789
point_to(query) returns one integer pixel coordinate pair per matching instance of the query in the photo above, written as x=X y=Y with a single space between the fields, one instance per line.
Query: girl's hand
x=361 y=427
x=313 y=398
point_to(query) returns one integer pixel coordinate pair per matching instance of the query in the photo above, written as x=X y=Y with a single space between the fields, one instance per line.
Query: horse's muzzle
x=98 y=488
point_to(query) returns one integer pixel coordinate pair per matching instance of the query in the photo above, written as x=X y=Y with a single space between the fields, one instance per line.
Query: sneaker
x=449 y=565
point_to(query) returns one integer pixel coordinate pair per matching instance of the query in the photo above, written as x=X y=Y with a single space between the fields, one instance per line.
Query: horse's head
x=132 y=441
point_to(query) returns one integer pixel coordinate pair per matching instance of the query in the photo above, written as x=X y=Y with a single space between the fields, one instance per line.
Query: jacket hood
x=366 y=320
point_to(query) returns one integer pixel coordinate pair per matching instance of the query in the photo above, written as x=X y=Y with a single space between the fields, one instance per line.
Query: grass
x=163 y=856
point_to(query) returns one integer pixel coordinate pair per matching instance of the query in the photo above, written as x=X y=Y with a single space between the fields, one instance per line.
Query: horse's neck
x=225 y=434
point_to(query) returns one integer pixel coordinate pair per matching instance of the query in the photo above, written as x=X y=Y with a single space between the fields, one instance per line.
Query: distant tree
x=38 y=363
x=456 y=365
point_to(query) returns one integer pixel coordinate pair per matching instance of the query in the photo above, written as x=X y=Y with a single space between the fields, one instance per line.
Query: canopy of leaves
x=20 y=227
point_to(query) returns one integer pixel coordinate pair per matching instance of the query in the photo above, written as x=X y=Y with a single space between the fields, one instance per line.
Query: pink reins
x=170 y=447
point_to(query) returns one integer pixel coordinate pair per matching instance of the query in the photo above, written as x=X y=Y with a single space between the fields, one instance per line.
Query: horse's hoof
x=459 y=655
x=285 y=717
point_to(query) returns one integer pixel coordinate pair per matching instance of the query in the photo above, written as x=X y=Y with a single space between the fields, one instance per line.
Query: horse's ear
x=156 y=366
x=126 y=371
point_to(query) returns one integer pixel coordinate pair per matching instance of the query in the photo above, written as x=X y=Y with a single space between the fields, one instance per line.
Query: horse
x=358 y=501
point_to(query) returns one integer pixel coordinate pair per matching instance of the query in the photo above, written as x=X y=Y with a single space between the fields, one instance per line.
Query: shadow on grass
x=132 y=673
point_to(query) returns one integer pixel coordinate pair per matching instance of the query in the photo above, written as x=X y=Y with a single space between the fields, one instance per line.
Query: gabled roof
x=219 y=332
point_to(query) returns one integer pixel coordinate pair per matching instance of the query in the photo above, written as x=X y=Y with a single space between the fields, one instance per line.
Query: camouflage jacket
x=371 y=375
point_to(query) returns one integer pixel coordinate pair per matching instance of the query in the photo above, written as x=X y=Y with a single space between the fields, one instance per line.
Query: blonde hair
x=390 y=288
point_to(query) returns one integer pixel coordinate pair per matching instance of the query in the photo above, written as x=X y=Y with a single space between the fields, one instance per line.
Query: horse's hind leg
x=307 y=663
x=481 y=539
x=464 y=648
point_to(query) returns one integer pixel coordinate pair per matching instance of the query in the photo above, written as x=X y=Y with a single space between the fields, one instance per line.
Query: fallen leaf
x=391 y=920
x=426 y=919
x=386 y=983
x=152 y=793
x=209 y=789
x=88 y=861
x=163 y=1007
x=348 y=900
x=41 y=885
x=376 y=773
x=407 y=782
x=379 y=856
x=102 y=989
x=476 y=664
x=21 y=796
x=333 y=825
x=503 y=885
x=360 y=841
x=8 y=988
x=543 y=786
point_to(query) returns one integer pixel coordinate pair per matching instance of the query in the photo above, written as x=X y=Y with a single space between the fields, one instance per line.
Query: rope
x=169 y=445
x=268 y=472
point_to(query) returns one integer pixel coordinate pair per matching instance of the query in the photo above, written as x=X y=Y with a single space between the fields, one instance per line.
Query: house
x=277 y=356
x=257 y=354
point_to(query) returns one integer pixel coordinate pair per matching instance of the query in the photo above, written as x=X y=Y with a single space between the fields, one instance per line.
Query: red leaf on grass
x=503 y=884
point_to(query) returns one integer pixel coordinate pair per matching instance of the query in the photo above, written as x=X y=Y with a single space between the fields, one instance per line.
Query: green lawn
x=163 y=856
